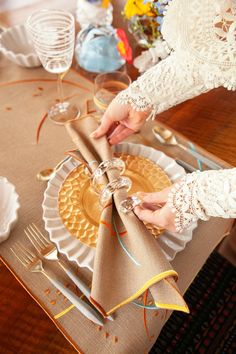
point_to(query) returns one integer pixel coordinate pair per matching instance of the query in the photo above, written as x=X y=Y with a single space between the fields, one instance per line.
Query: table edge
x=59 y=327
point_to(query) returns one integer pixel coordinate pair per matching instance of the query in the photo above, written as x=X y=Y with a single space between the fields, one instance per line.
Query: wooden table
x=209 y=120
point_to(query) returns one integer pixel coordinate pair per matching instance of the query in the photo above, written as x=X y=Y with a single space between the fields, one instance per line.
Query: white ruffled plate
x=171 y=243
x=16 y=45
x=9 y=205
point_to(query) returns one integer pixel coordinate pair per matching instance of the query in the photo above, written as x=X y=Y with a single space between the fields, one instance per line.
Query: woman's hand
x=155 y=209
x=119 y=122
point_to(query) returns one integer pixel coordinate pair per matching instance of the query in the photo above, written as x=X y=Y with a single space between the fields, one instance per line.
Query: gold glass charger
x=77 y=251
x=78 y=203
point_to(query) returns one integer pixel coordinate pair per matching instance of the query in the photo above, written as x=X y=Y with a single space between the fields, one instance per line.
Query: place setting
x=69 y=232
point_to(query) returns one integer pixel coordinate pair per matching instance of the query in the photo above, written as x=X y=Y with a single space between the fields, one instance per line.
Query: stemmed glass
x=53 y=36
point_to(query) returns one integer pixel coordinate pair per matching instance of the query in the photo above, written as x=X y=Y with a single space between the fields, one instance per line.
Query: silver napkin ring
x=129 y=204
x=103 y=167
x=113 y=186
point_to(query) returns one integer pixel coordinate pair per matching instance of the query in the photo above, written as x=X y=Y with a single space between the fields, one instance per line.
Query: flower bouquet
x=145 y=19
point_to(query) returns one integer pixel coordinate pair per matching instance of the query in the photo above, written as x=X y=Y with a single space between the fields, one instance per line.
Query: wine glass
x=107 y=86
x=53 y=36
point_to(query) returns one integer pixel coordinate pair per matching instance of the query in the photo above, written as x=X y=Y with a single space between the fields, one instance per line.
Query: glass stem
x=59 y=87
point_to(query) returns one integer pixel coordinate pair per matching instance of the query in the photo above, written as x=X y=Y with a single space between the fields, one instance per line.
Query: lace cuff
x=185 y=206
x=170 y=82
x=203 y=194
x=133 y=95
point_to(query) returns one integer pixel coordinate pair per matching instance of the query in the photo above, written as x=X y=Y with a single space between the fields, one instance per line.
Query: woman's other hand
x=155 y=209
x=119 y=122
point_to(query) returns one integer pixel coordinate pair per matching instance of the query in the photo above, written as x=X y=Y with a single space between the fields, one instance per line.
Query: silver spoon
x=166 y=137
x=47 y=173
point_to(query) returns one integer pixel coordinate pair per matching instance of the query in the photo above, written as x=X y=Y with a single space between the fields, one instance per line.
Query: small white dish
x=15 y=44
x=9 y=206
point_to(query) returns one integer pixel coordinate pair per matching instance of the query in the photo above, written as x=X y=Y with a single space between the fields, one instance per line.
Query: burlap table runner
x=22 y=105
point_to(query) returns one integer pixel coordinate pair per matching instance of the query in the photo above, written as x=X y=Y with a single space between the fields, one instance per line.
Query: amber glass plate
x=79 y=206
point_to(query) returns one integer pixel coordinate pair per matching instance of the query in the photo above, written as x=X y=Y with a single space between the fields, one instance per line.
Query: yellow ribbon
x=62 y=313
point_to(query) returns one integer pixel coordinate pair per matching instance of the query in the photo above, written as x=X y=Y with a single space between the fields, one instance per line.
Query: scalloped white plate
x=170 y=242
x=9 y=206
x=16 y=45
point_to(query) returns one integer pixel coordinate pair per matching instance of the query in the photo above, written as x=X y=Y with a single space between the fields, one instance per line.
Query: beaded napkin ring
x=103 y=167
x=129 y=204
x=113 y=186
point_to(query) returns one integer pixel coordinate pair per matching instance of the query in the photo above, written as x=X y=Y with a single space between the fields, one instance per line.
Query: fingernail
x=111 y=142
x=93 y=135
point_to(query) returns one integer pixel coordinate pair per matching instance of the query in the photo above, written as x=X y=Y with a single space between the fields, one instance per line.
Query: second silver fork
x=34 y=264
x=49 y=251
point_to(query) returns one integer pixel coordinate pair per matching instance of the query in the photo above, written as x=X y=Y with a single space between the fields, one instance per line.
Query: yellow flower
x=137 y=7
x=105 y=3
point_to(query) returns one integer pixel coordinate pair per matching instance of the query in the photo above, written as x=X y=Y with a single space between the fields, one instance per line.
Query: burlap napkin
x=128 y=259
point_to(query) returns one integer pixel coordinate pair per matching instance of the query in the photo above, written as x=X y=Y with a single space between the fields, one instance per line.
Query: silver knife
x=213 y=165
x=186 y=166
x=78 y=282
x=82 y=306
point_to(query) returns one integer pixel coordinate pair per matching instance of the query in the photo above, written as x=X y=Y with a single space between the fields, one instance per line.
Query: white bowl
x=17 y=47
x=9 y=206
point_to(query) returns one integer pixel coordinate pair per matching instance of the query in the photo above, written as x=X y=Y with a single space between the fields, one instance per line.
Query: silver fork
x=34 y=264
x=49 y=251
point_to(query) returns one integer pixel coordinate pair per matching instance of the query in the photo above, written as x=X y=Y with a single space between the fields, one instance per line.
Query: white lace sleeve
x=173 y=80
x=202 y=35
x=203 y=194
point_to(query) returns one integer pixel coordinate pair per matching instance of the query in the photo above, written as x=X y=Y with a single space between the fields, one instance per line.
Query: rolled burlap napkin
x=128 y=260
